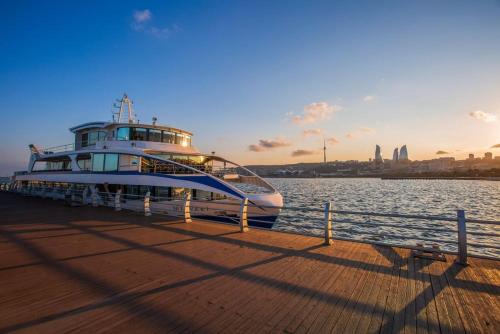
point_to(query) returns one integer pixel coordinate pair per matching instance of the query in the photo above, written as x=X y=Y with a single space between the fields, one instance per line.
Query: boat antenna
x=125 y=102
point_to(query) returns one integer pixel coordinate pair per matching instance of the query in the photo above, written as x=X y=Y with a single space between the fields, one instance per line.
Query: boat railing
x=59 y=149
x=457 y=234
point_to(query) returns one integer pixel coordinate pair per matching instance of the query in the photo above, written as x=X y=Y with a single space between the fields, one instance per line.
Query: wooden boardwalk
x=93 y=270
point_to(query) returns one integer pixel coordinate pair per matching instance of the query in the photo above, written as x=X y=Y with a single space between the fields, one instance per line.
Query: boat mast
x=125 y=102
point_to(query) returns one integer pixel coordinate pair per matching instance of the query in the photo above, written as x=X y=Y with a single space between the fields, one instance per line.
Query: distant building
x=403 y=153
x=378 y=154
x=471 y=156
x=395 y=155
x=488 y=155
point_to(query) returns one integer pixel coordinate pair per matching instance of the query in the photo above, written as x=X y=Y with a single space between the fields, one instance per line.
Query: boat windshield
x=238 y=176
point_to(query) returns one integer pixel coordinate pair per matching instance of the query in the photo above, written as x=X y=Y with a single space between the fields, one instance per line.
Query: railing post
x=462 y=238
x=118 y=203
x=94 y=196
x=244 y=215
x=187 y=208
x=147 y=210
x=328 y=223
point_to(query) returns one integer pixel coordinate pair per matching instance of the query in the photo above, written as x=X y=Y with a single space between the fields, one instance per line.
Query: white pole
x=244 y=215
x=462 y=238
x=328 y=223
x=147 y=210
x=118 y=205
x=187 y=208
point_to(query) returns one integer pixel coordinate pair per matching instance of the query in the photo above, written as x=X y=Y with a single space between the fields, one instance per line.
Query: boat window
x=84 y=161
x=85 y=139
x=54 y=164
x=101 y=135
x=104 y=162
x=155 y=135
x=185 y=140
x=139 y=134
x=111 y=162
x=128 y=162
x=40 y=165
x=123 y=134
x=93 y=137
x=97 y=162
x=178 y=138
x=168 y=137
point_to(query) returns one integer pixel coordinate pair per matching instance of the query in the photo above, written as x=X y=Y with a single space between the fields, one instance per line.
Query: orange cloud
x=314 y=112
x=332 y=141
x=483 y=116
x=268 y=144
x=312 y=132
x=301 y=153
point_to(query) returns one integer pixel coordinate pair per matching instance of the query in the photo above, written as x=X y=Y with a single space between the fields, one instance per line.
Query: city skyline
x=260 y=82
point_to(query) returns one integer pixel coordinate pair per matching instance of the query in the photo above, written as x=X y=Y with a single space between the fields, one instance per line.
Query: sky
x=258 y=82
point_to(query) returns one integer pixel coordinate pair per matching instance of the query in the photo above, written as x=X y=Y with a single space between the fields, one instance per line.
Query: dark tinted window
x=85 y=139
x=155 y=135
x=139 y=134
x=168 y=137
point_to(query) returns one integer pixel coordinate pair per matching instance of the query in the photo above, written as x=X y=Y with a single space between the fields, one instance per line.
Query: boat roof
x=103 y=125
x=89 y=125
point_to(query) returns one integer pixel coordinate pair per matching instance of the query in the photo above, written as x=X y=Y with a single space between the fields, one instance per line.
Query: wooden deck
x=93 y=270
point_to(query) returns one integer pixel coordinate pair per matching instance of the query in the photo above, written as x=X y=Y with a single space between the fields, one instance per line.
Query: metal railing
x=239 y=212
x=58 y=149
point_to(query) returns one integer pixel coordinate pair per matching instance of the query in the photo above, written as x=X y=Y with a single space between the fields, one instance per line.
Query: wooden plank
x=354 y=309
x=421 y=305
x=391 y=306
x=291 y=316
x=340 y=298
x=410 y=326
x=368 y=320
x=321 y=303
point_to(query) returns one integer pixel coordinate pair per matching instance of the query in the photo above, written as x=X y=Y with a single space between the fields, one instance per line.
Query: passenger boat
x=136 y=159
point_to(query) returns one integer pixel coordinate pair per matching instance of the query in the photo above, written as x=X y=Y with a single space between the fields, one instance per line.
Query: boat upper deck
x=92 y=269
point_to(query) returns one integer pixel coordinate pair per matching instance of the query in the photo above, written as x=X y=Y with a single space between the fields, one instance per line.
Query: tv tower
x=324 y=151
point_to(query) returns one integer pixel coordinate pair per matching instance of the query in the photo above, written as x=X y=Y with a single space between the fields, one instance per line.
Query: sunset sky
x=259 y=82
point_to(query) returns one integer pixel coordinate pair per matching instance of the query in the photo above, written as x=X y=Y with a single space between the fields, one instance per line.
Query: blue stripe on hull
x=263 y=221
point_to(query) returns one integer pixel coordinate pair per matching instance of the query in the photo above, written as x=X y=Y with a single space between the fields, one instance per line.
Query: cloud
x=332 y=141
x=360 y=132
x=369 y=98
x=483 y=116
x=142 y=16
x=442 y=152
x=312 y=132
x=496 y=146
x=141 y=23
x=301 y=153
x=268 y=144
x=314 y=112
x=366 y=129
